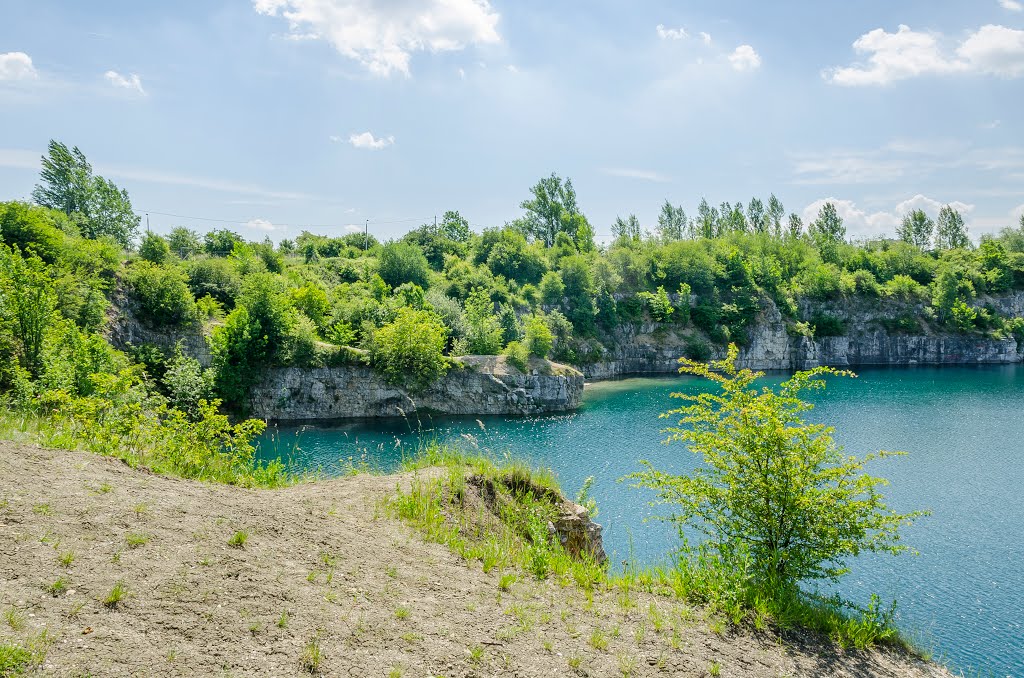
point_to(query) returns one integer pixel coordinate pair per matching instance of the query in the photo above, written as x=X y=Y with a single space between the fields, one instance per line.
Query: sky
x=271 y=117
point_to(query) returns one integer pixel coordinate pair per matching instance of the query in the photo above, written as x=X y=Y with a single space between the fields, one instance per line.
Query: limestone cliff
x=867 y=339
x=475 y=385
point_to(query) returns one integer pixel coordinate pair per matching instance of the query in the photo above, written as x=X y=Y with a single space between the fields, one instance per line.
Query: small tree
x=154 y=248
x=950 y=231
x=409 y=351
x=916 y=229
x=772 y=485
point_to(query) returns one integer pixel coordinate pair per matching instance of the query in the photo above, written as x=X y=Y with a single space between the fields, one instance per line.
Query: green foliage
x=184 y=243
x=484 y=336
x=96 y=204
x=517 y=354
x=410 y=350
x=154 y=248
x=658 y=304
x=215 y=278
x=188 y=384
x=163 y=295
x=826 y=325
x=401 y=263
x=552 y=289
x=539 y=338
x=950 y=231
x=772 y=488
x=916 y=229
x=27 y=305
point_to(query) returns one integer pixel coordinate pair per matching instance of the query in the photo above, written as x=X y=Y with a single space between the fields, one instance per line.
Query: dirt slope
x=320 y=563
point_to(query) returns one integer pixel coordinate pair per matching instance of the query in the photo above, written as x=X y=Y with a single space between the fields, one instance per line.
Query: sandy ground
x=322 y=566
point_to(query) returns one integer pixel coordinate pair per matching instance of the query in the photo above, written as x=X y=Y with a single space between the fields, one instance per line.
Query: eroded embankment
x=322 y=578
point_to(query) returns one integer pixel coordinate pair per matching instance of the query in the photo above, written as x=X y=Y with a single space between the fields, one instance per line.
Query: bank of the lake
x=962 y=594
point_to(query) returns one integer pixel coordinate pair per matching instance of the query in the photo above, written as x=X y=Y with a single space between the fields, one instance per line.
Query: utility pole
x=147 y=222
x=366 y=234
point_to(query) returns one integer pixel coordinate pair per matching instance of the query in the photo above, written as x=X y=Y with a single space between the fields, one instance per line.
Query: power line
x=242 y=222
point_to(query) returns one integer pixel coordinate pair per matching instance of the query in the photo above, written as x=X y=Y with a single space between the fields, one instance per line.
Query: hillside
x=321 y=568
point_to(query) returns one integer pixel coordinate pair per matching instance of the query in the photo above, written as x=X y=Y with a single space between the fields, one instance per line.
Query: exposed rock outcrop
x=125 y=331
x=475 y=385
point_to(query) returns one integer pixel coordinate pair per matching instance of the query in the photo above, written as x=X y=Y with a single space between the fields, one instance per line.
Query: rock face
x=476 y=385
x=577 y=533
x=647 y=348
x=126 y=331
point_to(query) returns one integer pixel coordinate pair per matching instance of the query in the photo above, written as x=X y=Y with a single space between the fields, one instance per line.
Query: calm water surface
x=963 y=428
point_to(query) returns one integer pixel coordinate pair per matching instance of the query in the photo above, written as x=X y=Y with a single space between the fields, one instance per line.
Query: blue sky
x=272 y=116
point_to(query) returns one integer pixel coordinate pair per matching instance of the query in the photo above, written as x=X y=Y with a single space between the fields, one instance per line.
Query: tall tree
x=97 y=204
x=950 y=231
x=756 y=216
x=828 y=231
x=671 y=223
x=454 y=226
x=775 y=213
x=553 y=210
x=796 y=225
x=916 y=229
x=628 y=228
x=707 y=220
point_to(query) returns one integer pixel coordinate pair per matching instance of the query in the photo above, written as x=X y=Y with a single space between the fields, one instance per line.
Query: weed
x=598 y=640
x=42 y=510
x=58 y=587
x=238 y=539
x=116 y=595
x=105 y=488
x=75 y=610
x=575 y=662
x=392 y=572
x=313 y=656
x=282 y=621
x=476 y=654
x=402 y=612
x=395 y=672
x=506 y=581
x=255 y=628
x=14 y=618
x=116 y=558
x=66 y=559
x=14 y=659
x=715 y=669
x=411 y=637
x=627 y=665
x=140 y=509
x=136 y=539
x=548 y=646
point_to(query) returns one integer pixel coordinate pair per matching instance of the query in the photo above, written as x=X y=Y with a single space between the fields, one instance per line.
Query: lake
x=963 y=427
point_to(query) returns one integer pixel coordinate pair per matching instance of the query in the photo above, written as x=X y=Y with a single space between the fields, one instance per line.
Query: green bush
x=539 y=338
x=658 y=304
x=154 y=248
x=215 y=278
x=403 y=263
x=163 y=295
x=188 y=384
x=410 y=350
x=517 y=354
x=826 y=325
x=552 y=290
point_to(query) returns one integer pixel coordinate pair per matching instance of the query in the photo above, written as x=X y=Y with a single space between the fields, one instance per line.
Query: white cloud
x=335 y=138
x=1011 y=5
x=930 y=206
x=861 y=223
x=706 y=37
x=260 y=225
x=1017 y=212
x=992 y=50
x=671 y=33
x=511 y=68
x=744 y=58
x=131 y=82
x=462 y=73
x=17 y=66
x=632 y=173
x=992 y=125
x=383 y=34
x=367 y=140
x=353 y=228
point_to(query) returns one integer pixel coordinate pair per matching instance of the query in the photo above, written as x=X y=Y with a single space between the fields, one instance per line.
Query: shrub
x=552 y=290
x=410 y=350
x=154 y=248
x=163 y=295
x=215 y=278
x=826 y=325
x=401 y=263
x=824 y=281
x=904 y=287
x=539 y=338
x=658 y=304
x=485 y=332
x=517 y=354
x=187 y=384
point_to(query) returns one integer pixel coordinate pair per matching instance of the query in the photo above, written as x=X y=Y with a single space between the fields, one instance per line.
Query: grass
x=116 y=595
x=18 y=658
x=312 y=659
x=282 y=621
x=714 y=669
x=66 y=559
x=14 y=618
x=58 y=588
x=598 y=640
x=476 y=655
x=136 y=539
x=506 y=581
x=42 y=510
x=238 y=539
x=402 y=612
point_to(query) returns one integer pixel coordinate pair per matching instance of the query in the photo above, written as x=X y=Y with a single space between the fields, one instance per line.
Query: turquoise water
x=963 y=428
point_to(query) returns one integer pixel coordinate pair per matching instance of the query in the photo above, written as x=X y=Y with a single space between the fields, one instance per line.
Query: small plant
x=66 y=559
x=715 y=669
x=136 y=539
x=548 y=646
x=395 y=672
x=75 y=610
x=105 y=488
x=42 y=510
x=598 y=640
x=255 y=628
x=506 y=581
x=116 y=558
x=14 y=659
x=116 y=595
x=392 y=572
x=402 y=612
x=282 y=621
x=58 y=588
x=476 y=654
x=627 y=665
x=238 y=539
x=313 y=656
x=575 y=662
x=14 y=618
x=140 y=509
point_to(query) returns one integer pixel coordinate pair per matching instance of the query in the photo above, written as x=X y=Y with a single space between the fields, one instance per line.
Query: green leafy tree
x=916 y=229
x=162 y=293
x=552 y=210
x=795 y=226
x=97 y=204
x=539 y=338
x=221 y=242
x=828 y=232
x=552 y=289
x=154 y=248
x=27 y=304
x=950 y=231
x=772 y=485
x=672 y=224
x=707 y=220
x=184 y=242
x=410 y=350
x=756 y=216
x=454 y=226
x=775 y=214
x=403 y=262
x=628 y=228
x=187 y=384
x=484 y=330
